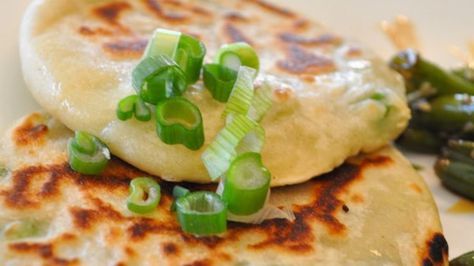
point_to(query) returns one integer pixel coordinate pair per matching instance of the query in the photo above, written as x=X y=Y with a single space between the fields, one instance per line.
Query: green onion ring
x=145 y=194
x=180 y=122
x=178 y=192
x=242 y=93
x=186 y=51
x=202 y=213
x=87 y=154
x=246 y=184
x=158 y=78
x=133 y=105
x=240 y=135
x=238 y=54
x=219 y=80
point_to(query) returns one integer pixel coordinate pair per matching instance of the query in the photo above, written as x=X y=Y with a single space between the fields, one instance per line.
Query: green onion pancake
x=332 y=98
x=373 y=210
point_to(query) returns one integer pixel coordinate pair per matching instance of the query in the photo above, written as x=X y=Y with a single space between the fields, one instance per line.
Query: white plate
x=440 y=26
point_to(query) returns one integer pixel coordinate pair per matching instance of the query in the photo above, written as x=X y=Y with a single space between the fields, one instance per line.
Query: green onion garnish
x=246 y=184
x=185 y=50
x=158 y=78
x=202 y=213
x=238 y=54
x=240 y=135
x=87 y=154
x=219 y=80
x=261 y=102
x=178 y=192
x=179 y=122
x=145 y=194
x=242 y=93
x=133 y=105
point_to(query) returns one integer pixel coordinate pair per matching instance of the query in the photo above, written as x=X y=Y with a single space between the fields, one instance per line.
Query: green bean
x=466 y=259
x=450 y=113
x=466 y=73
x=456 y=176
x=460 y=150
x=420 y=140
x=410 y=64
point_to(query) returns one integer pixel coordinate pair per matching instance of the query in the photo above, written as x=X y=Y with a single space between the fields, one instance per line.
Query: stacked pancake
x=366 y=209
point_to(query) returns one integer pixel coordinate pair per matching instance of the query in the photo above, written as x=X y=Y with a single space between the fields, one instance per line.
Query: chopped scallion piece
x=180 y=122
x=219 y=80
x=178 y=192
x=238 y=54
x=158 y=78
x=242 y=93
x=133 y=105
x=246 y=184
x=185 y=50
x=87 y=154
x=189 y=56
x=202 y=213
x=240 y=135
x=145 y=194
x=261 y=102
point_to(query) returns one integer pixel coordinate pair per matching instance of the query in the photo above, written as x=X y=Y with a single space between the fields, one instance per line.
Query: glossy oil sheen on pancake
x=78 y=56
x=373 y=210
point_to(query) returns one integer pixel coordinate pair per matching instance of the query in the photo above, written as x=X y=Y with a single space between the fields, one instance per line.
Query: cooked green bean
x=420 y=140
x=456 y=176
x=466 y=259
x=411 y=65
x=450 y=113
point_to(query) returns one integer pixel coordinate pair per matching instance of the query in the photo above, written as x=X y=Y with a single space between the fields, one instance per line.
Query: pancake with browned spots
x=365 y=212
x=332 y=97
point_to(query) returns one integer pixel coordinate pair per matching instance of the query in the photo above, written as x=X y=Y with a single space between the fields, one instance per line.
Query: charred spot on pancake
x=427 y=262
x=233 y=34
x=86 y=218
x=345 y=208
x=44 y=251
x=157 y=9
x=300 y=61
x=235 y=16
x=125 y=49
x=87 y=31
x=18 y=195
x=324 y=39
x=437 y=249
x=111 y=12
x=273 y=8
x=31 y=130
x=142 y=227
x=357 y=198
x=301 y=24
x=170 y=249
x=203 y=262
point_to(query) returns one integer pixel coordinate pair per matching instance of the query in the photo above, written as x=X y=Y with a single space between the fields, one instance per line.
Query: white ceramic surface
x=441 y=24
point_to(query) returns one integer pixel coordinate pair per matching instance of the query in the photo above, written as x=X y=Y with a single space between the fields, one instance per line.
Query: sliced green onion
x=219 y=80
x=242 y=93
x=240 y=135
x=131 y=105
x=145 y=194
x=87 y=154
x=180 y=122
x=178 y=192
x=142 y=111
x=163 y=42
x=190 y=55
x=238 y=54
x=126 y=107
x=202 y=213
x=261 y=102
x=246 y=184
x=158 y=78
x=185 y=50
